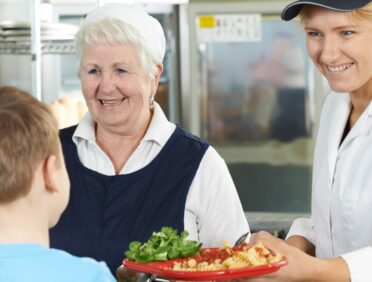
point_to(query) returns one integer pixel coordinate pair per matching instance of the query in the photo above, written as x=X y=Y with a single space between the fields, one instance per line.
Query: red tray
x=163 y=269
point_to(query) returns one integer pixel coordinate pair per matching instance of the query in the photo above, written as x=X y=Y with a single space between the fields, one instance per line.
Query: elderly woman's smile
x=111 y=102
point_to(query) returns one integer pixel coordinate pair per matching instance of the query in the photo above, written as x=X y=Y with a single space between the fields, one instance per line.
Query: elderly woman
x=339 y=233
x=131 y=170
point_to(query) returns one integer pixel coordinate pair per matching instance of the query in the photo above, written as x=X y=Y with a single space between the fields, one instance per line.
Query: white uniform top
x=213 y=211
x=341 y=222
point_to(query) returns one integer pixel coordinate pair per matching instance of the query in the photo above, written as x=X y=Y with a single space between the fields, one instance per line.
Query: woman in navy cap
x=335 y=244
x=131 y=170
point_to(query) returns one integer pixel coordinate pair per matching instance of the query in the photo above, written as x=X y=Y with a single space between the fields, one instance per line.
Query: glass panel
x=70 y=84
x=256 y=91
x=254 y=103
x=12 y=74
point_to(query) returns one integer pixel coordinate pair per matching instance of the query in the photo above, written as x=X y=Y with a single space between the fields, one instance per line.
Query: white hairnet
x=135 y=15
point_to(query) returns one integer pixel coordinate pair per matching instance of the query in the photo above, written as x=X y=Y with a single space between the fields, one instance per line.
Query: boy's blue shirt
x=34 y=262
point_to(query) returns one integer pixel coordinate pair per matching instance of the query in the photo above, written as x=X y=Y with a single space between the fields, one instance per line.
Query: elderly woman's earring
x=151 y=101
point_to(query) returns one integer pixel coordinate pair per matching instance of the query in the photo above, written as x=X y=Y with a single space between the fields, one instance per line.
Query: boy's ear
x=51 y=173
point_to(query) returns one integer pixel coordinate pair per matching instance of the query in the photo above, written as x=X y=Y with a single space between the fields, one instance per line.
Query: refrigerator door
x=251 y=97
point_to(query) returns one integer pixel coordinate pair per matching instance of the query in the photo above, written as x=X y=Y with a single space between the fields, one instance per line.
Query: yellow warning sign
x=207 y=22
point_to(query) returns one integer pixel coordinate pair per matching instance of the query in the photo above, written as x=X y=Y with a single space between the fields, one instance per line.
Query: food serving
x=228 y=257
x=215 y=264
x=169 y=255
x=169 y=245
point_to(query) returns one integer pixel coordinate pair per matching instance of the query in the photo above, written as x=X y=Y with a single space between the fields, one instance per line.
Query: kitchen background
x=235 y=74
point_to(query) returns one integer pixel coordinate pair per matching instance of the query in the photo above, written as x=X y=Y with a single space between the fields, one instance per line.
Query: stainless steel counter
x=273 y=222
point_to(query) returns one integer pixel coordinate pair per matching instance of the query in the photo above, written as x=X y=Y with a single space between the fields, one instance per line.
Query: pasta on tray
x=226 y=258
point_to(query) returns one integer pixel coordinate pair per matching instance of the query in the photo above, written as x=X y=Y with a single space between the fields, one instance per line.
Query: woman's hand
x=301 y=266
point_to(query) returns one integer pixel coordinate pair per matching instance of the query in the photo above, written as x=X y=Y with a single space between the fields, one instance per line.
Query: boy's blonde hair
x=28 y=135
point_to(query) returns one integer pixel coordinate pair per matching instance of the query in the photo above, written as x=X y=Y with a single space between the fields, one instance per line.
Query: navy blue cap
x=292 y=10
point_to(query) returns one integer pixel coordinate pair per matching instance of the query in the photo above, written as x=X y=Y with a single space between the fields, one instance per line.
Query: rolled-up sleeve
x=303 y=227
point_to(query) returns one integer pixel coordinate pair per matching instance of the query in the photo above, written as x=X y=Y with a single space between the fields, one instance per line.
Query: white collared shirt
x=341 y=224
x=213 y=210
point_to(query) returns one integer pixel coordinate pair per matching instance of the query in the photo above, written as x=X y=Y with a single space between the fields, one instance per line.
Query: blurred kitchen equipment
x=68 y=110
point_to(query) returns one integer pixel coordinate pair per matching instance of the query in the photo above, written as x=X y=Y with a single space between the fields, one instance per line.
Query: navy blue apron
x=105 y=213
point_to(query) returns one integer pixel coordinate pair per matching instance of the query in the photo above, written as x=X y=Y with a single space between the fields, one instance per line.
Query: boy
x=34 y=191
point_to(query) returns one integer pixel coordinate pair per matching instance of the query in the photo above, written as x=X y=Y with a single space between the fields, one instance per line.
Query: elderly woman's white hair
x=116 y=23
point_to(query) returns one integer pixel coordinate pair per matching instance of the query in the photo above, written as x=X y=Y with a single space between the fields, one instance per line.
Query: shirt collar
x=369 y=109
x=21 y=249
x=158 y=131
x=85 y=130
x=159 y=128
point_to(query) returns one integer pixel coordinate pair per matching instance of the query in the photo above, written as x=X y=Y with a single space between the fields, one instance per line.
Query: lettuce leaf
x=164 y=245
